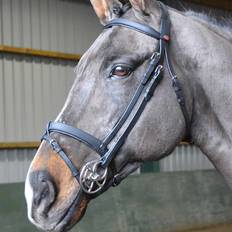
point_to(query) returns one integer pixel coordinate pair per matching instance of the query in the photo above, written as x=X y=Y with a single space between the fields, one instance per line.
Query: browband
x=145 y=29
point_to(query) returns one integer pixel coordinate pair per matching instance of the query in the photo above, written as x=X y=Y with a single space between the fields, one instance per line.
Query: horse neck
x=203 y=61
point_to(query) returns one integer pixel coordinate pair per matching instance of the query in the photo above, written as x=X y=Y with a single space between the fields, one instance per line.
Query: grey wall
x=33 y=90
x=185 y=158
x=57 y=25
x=14 y=164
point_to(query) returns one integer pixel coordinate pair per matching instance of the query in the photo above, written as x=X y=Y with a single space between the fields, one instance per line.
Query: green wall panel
x=146 y=203
x=150 y=167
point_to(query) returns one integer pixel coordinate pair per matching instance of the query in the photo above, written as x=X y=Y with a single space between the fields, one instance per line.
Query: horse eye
x=120 y=71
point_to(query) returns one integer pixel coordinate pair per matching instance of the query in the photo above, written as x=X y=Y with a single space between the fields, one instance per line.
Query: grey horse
x=201 y=54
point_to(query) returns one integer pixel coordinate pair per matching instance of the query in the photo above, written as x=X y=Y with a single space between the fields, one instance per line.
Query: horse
x=195 y=101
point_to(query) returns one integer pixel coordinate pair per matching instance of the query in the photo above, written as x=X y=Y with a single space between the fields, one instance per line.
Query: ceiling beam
x=222 y=4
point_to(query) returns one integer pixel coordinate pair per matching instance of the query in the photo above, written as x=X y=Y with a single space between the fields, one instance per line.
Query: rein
x=93 y=175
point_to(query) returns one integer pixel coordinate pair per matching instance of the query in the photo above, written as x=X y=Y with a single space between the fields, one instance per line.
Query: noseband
x=93 y=175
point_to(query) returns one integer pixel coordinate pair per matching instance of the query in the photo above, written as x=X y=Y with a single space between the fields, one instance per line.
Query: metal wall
x=14 y=164
x=185 y=158
x=33 y=90
x=57 y=25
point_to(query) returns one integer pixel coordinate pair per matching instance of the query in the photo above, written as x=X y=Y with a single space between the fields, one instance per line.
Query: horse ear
x=141 y=6
x=106 y=10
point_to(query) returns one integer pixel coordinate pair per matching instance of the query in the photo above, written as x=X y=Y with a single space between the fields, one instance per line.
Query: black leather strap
x=79 y=135
x=107 y=158
x=146 y=78
x=165 y=22
x=144 y=29
x=179 y=95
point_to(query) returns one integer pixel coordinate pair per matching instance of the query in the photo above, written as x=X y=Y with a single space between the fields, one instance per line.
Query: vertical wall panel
x=9 y=97
x=1 y=23
x=18 y=95
x=26 y=24
x=16 y=26
x=53 y=24
x=33 y=90
x=14 y=164
x=7 y=21
x=2 y=101
x=185 y=158
x=65 y=26
x=44 y=24
x=28 y=99
x=36 y=24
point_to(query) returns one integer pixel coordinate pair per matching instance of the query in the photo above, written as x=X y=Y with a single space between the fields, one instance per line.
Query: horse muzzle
x=47 y=209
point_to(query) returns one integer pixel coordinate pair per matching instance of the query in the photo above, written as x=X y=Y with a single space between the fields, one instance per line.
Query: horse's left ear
x=143 y=6
x=107 y=10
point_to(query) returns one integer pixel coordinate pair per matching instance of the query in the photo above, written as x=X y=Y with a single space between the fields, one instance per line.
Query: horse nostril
x=44 y=191
x=41 y=194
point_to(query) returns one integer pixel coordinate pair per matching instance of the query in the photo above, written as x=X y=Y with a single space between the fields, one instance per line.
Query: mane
x=222 y=27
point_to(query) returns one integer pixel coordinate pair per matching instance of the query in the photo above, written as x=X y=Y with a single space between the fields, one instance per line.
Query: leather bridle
x=93 y=175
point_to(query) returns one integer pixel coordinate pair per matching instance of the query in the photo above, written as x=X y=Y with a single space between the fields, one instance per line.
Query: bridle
x=93 y=175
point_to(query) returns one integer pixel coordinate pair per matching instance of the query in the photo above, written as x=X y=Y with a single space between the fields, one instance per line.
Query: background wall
x=33 y=89
x=173 y=202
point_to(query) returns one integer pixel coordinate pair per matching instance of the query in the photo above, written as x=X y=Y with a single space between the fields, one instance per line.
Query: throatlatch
x=93 y=175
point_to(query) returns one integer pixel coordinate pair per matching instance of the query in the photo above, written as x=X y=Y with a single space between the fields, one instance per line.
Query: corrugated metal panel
x=14 y=165
x=33 y=91
x=185 y=158
x=56 y=25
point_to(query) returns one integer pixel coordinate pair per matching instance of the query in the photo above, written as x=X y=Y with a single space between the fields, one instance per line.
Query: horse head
x=107 y=77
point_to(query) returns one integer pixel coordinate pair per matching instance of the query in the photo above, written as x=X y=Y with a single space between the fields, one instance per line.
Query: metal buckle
x=158 y=70
x=116 y=180
x=55 y=146
x=93 y=177
x=155 y=55
x=52 y=142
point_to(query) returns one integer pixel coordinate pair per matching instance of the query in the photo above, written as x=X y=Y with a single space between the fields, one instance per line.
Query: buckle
x=158 y=70
x=55 y=146
x=155 y=56
x=116 y=180
x=93 y=177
